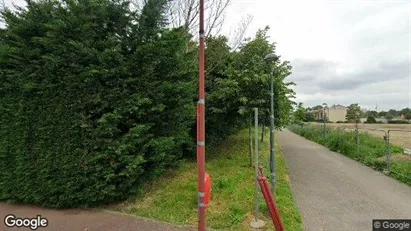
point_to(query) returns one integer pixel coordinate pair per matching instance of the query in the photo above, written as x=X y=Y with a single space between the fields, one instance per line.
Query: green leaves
x=353 y=113
x=93 y=101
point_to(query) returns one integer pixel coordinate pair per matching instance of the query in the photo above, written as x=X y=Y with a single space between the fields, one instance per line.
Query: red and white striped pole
x=201 y=127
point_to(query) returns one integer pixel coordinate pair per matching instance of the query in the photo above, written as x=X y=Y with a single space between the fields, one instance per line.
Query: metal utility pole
x=272 y=57
x=201 y=127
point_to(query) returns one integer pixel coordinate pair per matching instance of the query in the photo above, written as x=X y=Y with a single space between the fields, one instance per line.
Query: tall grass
x=371 y=152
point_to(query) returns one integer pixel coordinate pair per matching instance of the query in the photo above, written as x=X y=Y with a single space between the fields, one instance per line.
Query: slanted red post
x=201 y=127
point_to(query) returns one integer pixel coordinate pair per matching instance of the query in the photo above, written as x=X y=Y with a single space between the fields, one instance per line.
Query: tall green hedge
x=84 y=117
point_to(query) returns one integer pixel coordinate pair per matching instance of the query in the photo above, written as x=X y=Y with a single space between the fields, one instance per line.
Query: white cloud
x=341 y=51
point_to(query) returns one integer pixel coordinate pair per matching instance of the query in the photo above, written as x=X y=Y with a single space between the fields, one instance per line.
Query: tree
x=353 y=113
x=299 y=114
x=393 y=112
x=97 y=98
x=372 y=113
x=253 y=75
x=94 y=100
x=223 y=91
x=185 y=13
x=382 y=113
x=389 y=116
x=407 y=116
x=405 y=111
x=309 y=117
x=318 y=107
x=371 y=120
x=363 y=114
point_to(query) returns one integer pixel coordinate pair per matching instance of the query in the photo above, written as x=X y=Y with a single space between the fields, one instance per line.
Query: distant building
x=334 y=113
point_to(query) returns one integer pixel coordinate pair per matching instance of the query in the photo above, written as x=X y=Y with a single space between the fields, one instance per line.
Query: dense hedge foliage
x=398 y=122
x=96 y=98
x=372 y=150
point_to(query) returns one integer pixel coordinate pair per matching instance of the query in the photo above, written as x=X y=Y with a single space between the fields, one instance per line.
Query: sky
x=342 y=51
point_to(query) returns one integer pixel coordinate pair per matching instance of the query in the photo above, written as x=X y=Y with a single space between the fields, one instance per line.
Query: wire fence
x=399 y=171
x=370 y=146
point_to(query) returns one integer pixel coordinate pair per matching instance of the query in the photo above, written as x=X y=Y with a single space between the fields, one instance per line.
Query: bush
x=93 y=101
x=83 y=120
x=370 y=120
x=372 y=149
x=398 y=122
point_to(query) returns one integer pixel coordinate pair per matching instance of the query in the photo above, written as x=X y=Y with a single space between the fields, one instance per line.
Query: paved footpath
x=335 y=193
x=83 y=220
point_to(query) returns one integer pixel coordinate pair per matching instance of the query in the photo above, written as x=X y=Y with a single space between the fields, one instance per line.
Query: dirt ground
x=401 y=136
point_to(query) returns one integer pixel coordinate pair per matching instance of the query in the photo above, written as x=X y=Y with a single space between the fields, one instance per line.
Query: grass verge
x=173 y=198
x=372 y=151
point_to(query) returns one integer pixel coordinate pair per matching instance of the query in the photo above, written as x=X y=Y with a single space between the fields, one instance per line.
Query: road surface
x=83 y=220
x=335 y=193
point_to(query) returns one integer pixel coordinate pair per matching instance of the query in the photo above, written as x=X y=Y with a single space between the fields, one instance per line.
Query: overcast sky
x=342 y=52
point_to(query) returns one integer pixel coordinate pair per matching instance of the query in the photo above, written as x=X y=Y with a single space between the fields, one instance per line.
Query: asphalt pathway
x=82 y=220
x=335 y=193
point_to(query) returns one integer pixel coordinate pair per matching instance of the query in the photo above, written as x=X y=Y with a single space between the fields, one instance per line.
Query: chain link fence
x=401 y=170
x=372 y=147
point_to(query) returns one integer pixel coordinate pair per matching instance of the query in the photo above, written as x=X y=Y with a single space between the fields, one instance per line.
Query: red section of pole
x=269 y=200
x=201 y=127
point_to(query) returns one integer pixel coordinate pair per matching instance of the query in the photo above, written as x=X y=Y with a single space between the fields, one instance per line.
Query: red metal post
x=269 y=199
x=201 y=127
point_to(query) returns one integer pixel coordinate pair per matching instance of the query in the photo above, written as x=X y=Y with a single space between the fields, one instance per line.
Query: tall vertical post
x=201 y=126
x=256 y=162
x=272 y=148
x=250 y=138
x=357 y=118
x=389 y=153
x=256 y=223
x=338 y=138
x=324 y=122
x=358 y=142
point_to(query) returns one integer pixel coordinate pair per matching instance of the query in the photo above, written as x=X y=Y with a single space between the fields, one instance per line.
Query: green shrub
x=83 y=120
x=93 y=101
x=371 y=120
